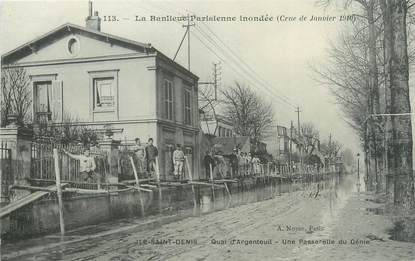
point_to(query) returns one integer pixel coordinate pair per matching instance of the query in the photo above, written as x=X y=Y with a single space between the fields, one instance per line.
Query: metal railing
x=6 y=173
x=42 y=163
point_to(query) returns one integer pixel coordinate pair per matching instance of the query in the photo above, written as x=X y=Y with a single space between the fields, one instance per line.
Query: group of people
x=146 y=156
x=240 y=164
x=247 y=164
x=146 y=161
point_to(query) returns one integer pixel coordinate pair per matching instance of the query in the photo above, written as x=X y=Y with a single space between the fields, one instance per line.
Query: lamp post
x=358 y=173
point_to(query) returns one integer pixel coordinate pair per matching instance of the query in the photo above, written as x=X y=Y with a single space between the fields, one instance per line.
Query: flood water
x=120 y=239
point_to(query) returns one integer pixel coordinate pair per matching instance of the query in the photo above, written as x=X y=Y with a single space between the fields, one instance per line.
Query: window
x=104 y=93
x=73 y=46
x=168 y=100
x=187 y=106
x=43 y=96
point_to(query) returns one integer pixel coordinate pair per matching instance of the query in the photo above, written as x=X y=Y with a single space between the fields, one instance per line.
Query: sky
x=278 y=53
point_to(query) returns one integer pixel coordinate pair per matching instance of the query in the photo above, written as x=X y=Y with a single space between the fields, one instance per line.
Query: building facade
x=101 y=79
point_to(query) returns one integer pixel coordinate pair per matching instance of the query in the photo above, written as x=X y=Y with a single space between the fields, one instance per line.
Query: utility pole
x=291 y=147
x=330 y=151
x=188 y=40
x=358 y=172
x=216 y=79
x=299 y=137
x=186 y=33
x=216 y=74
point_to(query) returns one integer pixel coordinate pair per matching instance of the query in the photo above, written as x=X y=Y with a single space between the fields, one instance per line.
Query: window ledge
x=104 y=110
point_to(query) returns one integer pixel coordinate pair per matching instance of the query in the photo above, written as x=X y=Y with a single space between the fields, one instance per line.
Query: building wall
x=135 y=87
x=139 y=106
x=176 y=131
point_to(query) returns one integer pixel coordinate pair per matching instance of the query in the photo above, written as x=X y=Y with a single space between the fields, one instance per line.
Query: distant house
x=217 y=125
x=104 y=79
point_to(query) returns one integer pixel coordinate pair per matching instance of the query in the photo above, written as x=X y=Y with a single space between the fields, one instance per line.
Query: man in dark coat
x=233 y=160
x=151 y=153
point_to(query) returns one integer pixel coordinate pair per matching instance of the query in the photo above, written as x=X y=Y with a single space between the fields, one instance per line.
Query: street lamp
x=358 y=172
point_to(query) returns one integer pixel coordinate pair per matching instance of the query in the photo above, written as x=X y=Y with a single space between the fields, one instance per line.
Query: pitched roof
x=38 y=42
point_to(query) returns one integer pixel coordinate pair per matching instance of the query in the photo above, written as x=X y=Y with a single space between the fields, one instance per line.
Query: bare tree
x=311 y=137
x=346 y=75
x=385 y=64
x=251 y=115
x=371 y=28
x=397 y=71
x=16 y=96
x=69 y=131
x=330 y=149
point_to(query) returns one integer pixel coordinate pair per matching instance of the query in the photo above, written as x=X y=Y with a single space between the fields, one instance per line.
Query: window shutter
x=173 y=102
x=164 y=97
x=184 y=106
x=34 y=102
x=57 y=101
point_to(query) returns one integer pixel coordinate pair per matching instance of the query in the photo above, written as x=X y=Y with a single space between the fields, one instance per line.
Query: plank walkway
x=13 y=206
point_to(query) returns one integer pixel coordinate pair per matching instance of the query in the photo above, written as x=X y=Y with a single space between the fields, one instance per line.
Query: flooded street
x=315 y=224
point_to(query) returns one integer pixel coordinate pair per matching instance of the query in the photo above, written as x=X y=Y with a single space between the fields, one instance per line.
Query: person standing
x=87 y=166
x=152 y=154
x=178 y=161
x=220 y=165
x=140 y=153
x=209 y=164
x=249 y=163
x=234 y=162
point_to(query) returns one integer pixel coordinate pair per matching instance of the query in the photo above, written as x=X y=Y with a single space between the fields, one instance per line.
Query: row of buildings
x=102 y=79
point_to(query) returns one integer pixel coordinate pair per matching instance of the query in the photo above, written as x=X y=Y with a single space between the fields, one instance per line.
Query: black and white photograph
x=207 y=130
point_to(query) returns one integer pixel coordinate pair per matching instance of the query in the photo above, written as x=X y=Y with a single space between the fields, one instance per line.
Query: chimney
x=93 y=21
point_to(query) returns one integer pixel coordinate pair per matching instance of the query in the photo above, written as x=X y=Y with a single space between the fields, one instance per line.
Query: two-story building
x=102 y=79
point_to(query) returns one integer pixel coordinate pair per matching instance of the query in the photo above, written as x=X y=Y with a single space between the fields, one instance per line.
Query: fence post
x=134 y=171
x=111 y=147
x=211 y=180
x=157 y=170
x=59 y=191
x=138 y=185
x=191 y=179
x=19 y=142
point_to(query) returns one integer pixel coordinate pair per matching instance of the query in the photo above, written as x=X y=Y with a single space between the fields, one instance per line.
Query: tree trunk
x=374 y=104
x=400 y=145
x=387 y=128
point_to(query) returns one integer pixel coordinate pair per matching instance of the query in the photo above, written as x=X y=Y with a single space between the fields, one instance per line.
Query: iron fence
x=6 y=173
x=43 y=166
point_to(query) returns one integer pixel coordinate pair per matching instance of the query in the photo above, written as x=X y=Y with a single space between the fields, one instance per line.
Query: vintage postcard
x=207 y=130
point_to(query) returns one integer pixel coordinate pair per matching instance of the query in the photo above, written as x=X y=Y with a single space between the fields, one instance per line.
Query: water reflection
x=167 y=208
